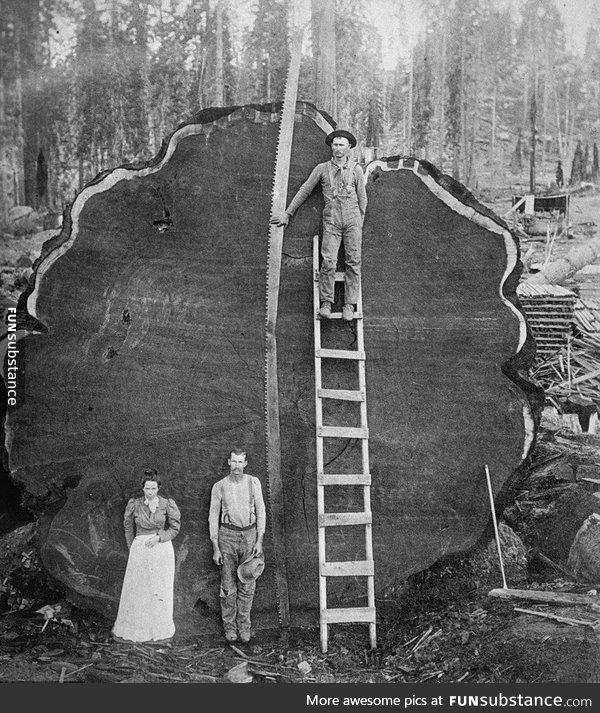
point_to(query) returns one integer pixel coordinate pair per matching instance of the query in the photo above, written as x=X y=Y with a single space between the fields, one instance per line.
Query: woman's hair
x=151 y=474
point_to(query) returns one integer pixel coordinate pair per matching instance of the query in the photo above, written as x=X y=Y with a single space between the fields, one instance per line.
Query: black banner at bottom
x=306 y=698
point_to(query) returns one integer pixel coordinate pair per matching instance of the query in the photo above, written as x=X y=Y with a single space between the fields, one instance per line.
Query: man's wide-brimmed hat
x=342 y=134
x=250 y=569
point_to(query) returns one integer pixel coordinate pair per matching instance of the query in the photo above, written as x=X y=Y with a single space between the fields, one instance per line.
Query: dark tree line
x=90 y=84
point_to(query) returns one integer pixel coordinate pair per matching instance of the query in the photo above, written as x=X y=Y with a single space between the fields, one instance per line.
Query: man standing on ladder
x=343 y=185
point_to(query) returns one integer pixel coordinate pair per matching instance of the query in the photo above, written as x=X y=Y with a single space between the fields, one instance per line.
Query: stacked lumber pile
x=550 y=312
x=587 y=315
x=567 y=334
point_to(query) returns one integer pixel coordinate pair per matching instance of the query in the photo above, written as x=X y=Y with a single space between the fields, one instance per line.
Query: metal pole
x=489 y=482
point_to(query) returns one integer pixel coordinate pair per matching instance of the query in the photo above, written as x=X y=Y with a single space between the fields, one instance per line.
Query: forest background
x=475 y=86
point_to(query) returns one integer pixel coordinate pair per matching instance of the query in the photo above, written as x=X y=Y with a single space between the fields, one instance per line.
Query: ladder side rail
x=319 y=442
x=366 y=466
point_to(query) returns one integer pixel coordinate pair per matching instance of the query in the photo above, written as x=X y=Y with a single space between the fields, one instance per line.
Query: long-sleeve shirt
x=238 y=503
x=335 y=180
x=138 y=520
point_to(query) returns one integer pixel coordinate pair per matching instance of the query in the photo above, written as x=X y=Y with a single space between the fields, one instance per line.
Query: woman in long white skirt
x=146 y=605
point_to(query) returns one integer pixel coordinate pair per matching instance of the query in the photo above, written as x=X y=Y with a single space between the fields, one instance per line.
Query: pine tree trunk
x=19 y=151
x=5 y=199
x=533 y=118
x=545 y=100
x=474 y=118
x=568 y=120
x=35 y=149
x=201 y=71
x=493 y=140
x=324 y=55
x=140 y=134
x=409 y=148
x=219 y=84
x=463 y=111
x=559 y=134
x=441 y=98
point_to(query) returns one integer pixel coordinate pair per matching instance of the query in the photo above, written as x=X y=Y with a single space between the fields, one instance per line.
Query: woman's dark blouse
x=138 y=520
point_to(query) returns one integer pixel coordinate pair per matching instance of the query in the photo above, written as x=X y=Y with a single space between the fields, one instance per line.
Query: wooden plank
x=340 y=354
x=334 y=519
x=544 y=597
x=347 y=615
x=338 y=315
x=562 y=619
x=514 y=207
x=342 y=432
x=361 y=568
x=344 y=479
x=341 y=394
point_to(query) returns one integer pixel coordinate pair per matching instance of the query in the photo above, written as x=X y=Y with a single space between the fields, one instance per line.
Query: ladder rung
x=339 y=354
x=342 y=432
x=347 y=569
x=344 y=479
x=333 y=519
x=341 y=394
x=338 y=315
x=348 y=615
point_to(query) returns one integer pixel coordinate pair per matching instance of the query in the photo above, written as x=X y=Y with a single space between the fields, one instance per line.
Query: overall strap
x=250 y=497
x=332 y=184
x=225 y=518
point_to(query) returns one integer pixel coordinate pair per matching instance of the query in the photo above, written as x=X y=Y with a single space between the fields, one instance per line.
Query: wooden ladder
x=363 y=568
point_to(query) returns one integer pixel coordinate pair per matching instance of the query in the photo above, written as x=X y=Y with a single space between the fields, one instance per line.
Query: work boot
x=325 y=310
x=348 y=312
x=245 y=636
x=231 y=635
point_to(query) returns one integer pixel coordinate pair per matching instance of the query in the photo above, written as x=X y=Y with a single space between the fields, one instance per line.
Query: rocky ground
x=441 y=626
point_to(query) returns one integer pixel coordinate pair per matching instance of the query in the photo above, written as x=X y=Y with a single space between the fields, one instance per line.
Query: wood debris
x=595 y=624
x=546 y=597
x=571 y=370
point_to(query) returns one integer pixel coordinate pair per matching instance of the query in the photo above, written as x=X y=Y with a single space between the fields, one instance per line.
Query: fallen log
x=545 y=597
x=145 y=347
x=559 y=270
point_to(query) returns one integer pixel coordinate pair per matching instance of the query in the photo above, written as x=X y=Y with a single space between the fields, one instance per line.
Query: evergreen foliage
x=91 y=84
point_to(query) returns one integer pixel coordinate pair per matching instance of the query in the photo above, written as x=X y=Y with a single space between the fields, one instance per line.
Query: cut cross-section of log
x=148 y=350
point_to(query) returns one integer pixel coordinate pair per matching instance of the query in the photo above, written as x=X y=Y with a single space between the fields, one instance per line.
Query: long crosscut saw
x=278 y=200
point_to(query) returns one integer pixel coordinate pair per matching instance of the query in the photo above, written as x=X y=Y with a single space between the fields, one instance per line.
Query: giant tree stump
x=146 y=348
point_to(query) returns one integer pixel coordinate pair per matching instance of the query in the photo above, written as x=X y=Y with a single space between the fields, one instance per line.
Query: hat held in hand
x=251 y=569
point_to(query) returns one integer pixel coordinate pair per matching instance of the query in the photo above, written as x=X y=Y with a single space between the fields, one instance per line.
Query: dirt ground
x=441 y=626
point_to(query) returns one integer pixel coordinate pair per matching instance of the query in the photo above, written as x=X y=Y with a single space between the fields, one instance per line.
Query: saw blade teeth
x=271 y=404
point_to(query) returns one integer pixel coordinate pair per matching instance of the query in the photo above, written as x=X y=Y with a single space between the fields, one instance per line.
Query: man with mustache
x=237 y=520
